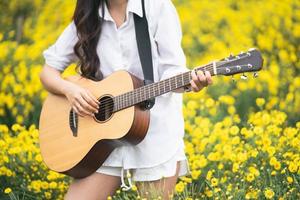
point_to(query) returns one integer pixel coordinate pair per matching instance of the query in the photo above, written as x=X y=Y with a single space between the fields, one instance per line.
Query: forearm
x=52 y=80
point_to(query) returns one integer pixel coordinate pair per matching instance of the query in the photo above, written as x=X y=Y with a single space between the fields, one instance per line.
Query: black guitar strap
x=144 y=48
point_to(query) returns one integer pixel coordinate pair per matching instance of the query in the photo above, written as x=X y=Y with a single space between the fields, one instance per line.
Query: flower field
x=242 y=137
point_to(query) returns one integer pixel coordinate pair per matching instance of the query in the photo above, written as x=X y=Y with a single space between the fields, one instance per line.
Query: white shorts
x=166 y=169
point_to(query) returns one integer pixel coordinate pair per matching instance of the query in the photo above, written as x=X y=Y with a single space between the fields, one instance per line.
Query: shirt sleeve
x=61 y=54
x=168 y=37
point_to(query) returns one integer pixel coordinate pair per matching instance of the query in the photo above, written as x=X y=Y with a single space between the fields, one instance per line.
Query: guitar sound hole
x=106 y=107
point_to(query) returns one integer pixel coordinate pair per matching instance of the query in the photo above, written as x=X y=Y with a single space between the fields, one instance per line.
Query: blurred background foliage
x=242 y=137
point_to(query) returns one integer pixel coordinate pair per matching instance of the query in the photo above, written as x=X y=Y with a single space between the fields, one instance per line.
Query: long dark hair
x=88 y=24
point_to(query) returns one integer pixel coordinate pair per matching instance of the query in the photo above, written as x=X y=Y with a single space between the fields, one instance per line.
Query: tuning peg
x=244 y=77
x=255 y=74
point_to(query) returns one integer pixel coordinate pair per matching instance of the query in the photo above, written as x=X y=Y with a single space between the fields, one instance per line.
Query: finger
x=91 y=102
x=76 y=111
x=195 y=88
x=195 y=79
x=208 y=78
x=202 y=79
x=95 y=100
x=81 y=110
x=85 y=104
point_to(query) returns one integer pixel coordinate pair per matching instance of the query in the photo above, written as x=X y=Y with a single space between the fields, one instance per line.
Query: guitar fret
x=121 y=101
x=136 y=96
x=118 y=103
x=130 y=99
x=140 y=94
x=158 y=87
x=150 y=90
x=124 y=100
x=154 y=90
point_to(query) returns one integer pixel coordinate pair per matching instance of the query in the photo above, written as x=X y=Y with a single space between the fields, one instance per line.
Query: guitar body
x=82 y=153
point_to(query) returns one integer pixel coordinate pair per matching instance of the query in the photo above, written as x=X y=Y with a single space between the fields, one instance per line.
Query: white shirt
x=117 y=50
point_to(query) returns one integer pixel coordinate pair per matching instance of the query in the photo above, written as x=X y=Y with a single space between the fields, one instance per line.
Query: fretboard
x=156 y=89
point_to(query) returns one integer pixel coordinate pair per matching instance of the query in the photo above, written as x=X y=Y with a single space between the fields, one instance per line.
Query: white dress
x=117 y=50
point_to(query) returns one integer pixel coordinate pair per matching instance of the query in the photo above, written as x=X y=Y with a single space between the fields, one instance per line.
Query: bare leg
x=163 y=187
x=94 y=187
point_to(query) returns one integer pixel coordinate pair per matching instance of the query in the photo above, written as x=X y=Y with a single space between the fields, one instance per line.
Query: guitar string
x=154 y=85
x=155 y=88
x=109 y=105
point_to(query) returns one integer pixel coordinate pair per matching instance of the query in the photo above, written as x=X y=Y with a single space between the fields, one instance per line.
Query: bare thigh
x=163 y=187
x=94 y=187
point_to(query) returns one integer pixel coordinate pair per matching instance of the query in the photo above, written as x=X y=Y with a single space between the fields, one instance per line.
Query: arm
x=81 y=100
x=52 y=80
x=57 y=58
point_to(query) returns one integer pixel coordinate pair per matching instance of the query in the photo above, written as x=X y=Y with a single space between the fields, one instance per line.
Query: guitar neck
x=159 y=88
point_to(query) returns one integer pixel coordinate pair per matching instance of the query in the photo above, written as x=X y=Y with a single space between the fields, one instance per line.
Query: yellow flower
x=214 y=182
x=209 y=102
x=109 y=198
x=134 y=188
x=208 y=193
x=179 y=187
x=252 y=194
x=44 y=185
x=53 y=185
x=48 y=195
x=277 y=166
x=289 y=179
x=260 y=102
x=234 y=130
x=231 y=110
x=209 y=175
x=273 y=160
x=273 y=173
x=229 y=100
x=292 y=167
x=7 y=190
x=269 y=194
x=195 y=174
x=250 y=177
x=3 y=128
x=235 y=167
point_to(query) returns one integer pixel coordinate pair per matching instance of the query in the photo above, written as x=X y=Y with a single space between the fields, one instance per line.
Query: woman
x=101 y=39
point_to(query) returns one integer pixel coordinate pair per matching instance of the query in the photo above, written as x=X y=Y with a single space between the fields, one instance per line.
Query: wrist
x=65 y=87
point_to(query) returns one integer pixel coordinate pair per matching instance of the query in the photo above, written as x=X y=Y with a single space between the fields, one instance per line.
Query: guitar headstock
x=250 y=61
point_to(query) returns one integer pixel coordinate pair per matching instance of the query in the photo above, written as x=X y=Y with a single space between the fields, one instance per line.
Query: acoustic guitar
x=78 y=146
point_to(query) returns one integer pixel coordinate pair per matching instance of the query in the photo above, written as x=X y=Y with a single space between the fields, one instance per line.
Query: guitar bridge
x=73 y=122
